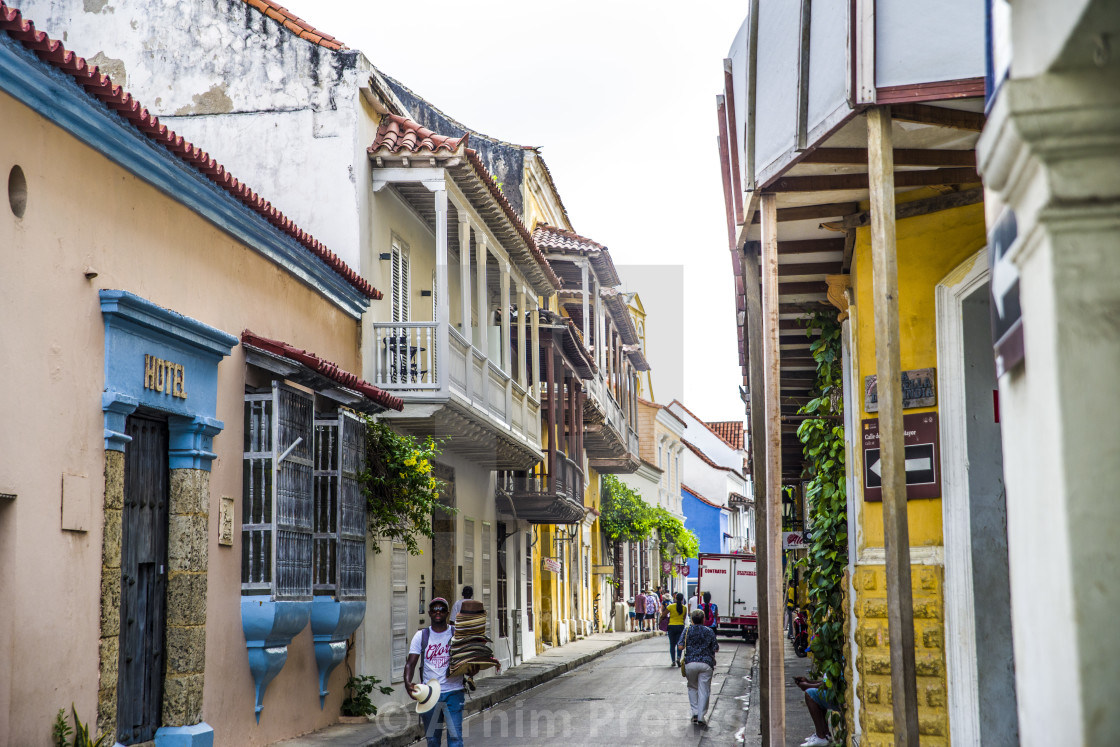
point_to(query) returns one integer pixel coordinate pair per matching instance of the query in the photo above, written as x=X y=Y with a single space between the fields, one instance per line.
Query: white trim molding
x=962 y=676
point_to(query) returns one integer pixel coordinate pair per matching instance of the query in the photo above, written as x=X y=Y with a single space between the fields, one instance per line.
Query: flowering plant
x=401 y=492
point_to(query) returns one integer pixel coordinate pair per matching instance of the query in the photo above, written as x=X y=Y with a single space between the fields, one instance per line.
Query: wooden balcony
x=466 y=397
x=540 y=498
x=609 y=438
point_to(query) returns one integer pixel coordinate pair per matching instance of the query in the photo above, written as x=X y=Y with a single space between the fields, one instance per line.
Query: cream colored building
x=177 y=351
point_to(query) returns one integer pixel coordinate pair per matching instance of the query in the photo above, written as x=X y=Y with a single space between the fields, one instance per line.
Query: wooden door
x=143 y=580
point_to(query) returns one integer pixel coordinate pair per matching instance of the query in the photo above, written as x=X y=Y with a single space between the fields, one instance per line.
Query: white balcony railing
x=406 y=363
x=615 y=416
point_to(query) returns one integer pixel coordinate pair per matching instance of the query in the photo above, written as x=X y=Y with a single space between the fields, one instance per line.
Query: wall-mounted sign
x=794 y=541
x=164 y=377
x=551 y=564
x=923 y=457
x=919 y=389
x=1007 y=315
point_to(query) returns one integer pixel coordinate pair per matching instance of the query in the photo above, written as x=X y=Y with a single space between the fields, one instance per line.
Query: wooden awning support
x=884 y=281
x=771 y=353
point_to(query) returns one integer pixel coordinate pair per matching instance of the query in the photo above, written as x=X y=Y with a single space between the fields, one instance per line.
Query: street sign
x=794 y=541
x=923 y=457
x=919 y=389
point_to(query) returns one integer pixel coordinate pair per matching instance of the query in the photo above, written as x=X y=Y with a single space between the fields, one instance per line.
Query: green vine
x=675 y=539
x=401 y=492
x=822 y=438
x=625 y=516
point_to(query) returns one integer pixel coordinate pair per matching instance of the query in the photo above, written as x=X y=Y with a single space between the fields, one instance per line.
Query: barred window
x=340 y=511
x=303 y=518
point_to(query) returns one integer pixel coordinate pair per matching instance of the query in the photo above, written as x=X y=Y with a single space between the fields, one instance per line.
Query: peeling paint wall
x=280 y=113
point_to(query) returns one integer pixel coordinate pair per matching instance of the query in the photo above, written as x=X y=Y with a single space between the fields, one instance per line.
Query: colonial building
x=184 y=544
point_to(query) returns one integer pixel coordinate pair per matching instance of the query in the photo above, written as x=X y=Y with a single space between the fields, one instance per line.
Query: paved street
x=630 y=696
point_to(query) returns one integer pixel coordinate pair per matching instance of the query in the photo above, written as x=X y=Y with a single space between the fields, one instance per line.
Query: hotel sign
x=164 y=377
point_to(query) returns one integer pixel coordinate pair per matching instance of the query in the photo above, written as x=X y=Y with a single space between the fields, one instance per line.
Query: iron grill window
x=303 y=516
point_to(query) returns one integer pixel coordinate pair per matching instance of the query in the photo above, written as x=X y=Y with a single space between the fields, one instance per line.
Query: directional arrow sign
x=923 y=479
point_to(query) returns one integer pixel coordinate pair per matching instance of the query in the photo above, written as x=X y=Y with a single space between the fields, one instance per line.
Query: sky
x=621 y=98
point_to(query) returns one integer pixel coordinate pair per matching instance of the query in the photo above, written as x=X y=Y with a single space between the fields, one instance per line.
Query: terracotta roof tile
x=325 y=368
x=295 y=24
x=561 y=240
x=701 y=422
x=397 y=135
x=116 y=98
x=731 y=431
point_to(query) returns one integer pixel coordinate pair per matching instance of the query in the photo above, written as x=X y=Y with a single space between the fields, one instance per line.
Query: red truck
x=733 y=582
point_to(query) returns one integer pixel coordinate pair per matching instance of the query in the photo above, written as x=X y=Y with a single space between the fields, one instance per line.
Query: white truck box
x=733 y=582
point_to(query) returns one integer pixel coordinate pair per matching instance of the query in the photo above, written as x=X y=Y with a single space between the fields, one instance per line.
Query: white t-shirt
x=436 y=659
x=693 y=603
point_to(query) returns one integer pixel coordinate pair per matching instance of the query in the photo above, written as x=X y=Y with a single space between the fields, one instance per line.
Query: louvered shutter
x=487 y=576
x=277 y=518
x=399 y=611
x=468 y=552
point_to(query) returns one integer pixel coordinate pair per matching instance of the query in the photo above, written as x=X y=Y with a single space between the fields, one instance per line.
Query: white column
x=442 y=307
x=600 y=334
x=483 y=312
x=584 y=287
x=536 y=324
x=506 y=357
x=521 y=347
x=465 y=276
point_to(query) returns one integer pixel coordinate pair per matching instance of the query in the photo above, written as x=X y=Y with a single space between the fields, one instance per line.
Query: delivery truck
x=733 y=582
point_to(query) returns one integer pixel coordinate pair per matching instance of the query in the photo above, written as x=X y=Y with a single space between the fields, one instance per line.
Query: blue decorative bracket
x=117 y=407
x=269 y=628
x=332 y=622
x=191 y=441
x=199 y=735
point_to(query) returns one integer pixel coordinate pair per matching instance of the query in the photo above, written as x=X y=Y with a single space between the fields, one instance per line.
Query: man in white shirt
x=436 y=653
x=468 y=593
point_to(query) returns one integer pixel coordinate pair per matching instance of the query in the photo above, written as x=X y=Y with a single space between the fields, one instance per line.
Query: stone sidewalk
x=395 y=727
x=799 y=724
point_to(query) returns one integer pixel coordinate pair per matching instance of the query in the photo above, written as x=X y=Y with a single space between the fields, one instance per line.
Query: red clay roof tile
x=324 y=367
x=116 y=98
x=295 y=24
x=731 y=431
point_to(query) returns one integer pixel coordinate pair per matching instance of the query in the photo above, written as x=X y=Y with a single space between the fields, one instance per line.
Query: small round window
x=17 y=191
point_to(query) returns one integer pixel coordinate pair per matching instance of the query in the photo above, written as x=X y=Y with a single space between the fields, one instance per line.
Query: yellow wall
x=929 y=247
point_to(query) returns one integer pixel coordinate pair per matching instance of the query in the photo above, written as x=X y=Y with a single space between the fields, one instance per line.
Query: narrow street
x=630 y=696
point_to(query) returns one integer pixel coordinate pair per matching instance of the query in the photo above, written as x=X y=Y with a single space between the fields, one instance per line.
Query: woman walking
x=676 y=614
x=699 y=647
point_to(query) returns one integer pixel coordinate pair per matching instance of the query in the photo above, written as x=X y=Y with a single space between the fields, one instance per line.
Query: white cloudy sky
x=620 y=95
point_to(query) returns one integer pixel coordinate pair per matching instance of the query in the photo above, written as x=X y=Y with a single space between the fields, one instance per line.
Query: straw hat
x=426 y=696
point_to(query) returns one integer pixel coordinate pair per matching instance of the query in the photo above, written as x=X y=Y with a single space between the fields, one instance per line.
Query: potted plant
x=357 y=708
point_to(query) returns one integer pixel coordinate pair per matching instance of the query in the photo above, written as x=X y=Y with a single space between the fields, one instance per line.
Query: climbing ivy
x=822 y=438
x=675 y=539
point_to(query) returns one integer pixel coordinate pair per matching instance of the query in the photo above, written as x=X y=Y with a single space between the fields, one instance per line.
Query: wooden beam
x=813 y=212
x=807 y=268
x=884 y=280
x=798 y=288
x=938 y=116
x=833 y=182
x=902 y=157
x=810 y=246
x=925 y=206
x=770 y=349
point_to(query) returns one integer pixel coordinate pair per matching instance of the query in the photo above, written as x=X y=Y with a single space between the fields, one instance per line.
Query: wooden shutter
x=401 y=307
x=487 y=574
x=340 y=510
x=468 y=552
x=399 y=611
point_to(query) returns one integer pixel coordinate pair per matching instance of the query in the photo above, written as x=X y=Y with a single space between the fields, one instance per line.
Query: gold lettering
x=149 y=372
x=180 y=376
x=161 y=374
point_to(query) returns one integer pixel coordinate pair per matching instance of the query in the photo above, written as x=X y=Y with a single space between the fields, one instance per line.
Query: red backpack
x=711 y=611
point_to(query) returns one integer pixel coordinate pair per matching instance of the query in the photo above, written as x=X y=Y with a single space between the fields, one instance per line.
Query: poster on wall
x=923 y=457
x=551 y=564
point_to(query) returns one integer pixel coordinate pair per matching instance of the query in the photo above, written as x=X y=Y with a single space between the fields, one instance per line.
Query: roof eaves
x=114 y=97
x=295 y=24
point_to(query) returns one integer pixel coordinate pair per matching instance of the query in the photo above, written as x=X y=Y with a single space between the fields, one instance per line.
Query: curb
x=480 y=703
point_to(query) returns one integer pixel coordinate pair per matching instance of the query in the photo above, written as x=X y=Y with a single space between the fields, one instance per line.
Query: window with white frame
x=303 y=515
x=468 y=552
x=487 y=573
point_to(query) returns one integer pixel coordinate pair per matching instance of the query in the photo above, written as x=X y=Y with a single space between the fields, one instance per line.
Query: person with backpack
x=433 y=644
x=676 y=616
x=711 y=611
